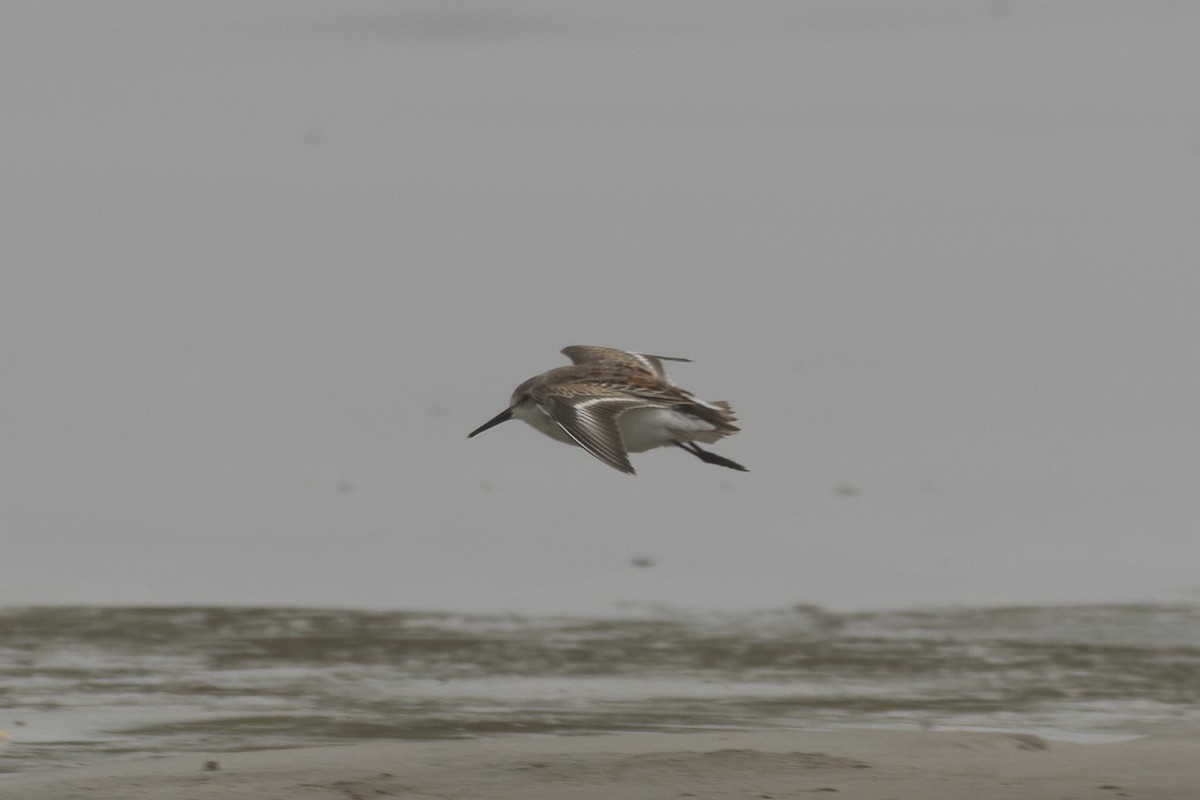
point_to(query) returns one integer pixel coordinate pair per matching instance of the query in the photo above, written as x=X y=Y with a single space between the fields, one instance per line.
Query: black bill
x=503 y=416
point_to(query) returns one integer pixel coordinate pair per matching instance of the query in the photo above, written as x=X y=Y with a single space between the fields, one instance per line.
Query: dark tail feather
x=709 y=457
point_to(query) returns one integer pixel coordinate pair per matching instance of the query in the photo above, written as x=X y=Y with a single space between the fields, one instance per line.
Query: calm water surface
x=81 y=684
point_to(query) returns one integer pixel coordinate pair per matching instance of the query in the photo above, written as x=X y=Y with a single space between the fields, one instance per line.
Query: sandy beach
x=855 y=765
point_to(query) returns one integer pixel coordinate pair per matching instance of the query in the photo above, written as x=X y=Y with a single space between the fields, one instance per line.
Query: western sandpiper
x=612 y=403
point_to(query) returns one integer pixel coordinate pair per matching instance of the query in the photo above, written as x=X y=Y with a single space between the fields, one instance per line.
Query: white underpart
x=529 y=412
x=644 y=429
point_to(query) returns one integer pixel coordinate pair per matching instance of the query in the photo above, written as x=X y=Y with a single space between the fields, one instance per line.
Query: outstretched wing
x=590 y=419
x=590 y=354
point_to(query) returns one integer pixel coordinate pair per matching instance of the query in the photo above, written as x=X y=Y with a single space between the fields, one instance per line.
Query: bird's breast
x=534 y=416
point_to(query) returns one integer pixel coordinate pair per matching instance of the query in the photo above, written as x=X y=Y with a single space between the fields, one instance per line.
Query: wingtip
x=624 y=467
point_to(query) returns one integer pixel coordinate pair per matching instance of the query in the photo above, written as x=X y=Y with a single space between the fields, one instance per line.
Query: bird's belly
x=644 y=429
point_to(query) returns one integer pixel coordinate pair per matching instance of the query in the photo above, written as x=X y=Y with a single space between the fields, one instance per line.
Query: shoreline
x=848 y=764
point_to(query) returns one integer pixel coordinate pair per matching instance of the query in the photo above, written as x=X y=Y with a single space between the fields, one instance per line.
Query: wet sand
x=852 y=765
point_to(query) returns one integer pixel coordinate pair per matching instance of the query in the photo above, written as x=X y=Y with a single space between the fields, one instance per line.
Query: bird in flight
x=613 y=403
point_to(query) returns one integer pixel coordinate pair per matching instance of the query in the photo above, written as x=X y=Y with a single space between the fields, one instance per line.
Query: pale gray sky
x=267 y=264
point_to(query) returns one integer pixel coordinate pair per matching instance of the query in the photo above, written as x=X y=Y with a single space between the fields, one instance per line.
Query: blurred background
x=266 y=264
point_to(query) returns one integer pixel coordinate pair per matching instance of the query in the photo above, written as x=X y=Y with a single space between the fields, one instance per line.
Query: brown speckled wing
x=591 y=354
x=590 y=419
